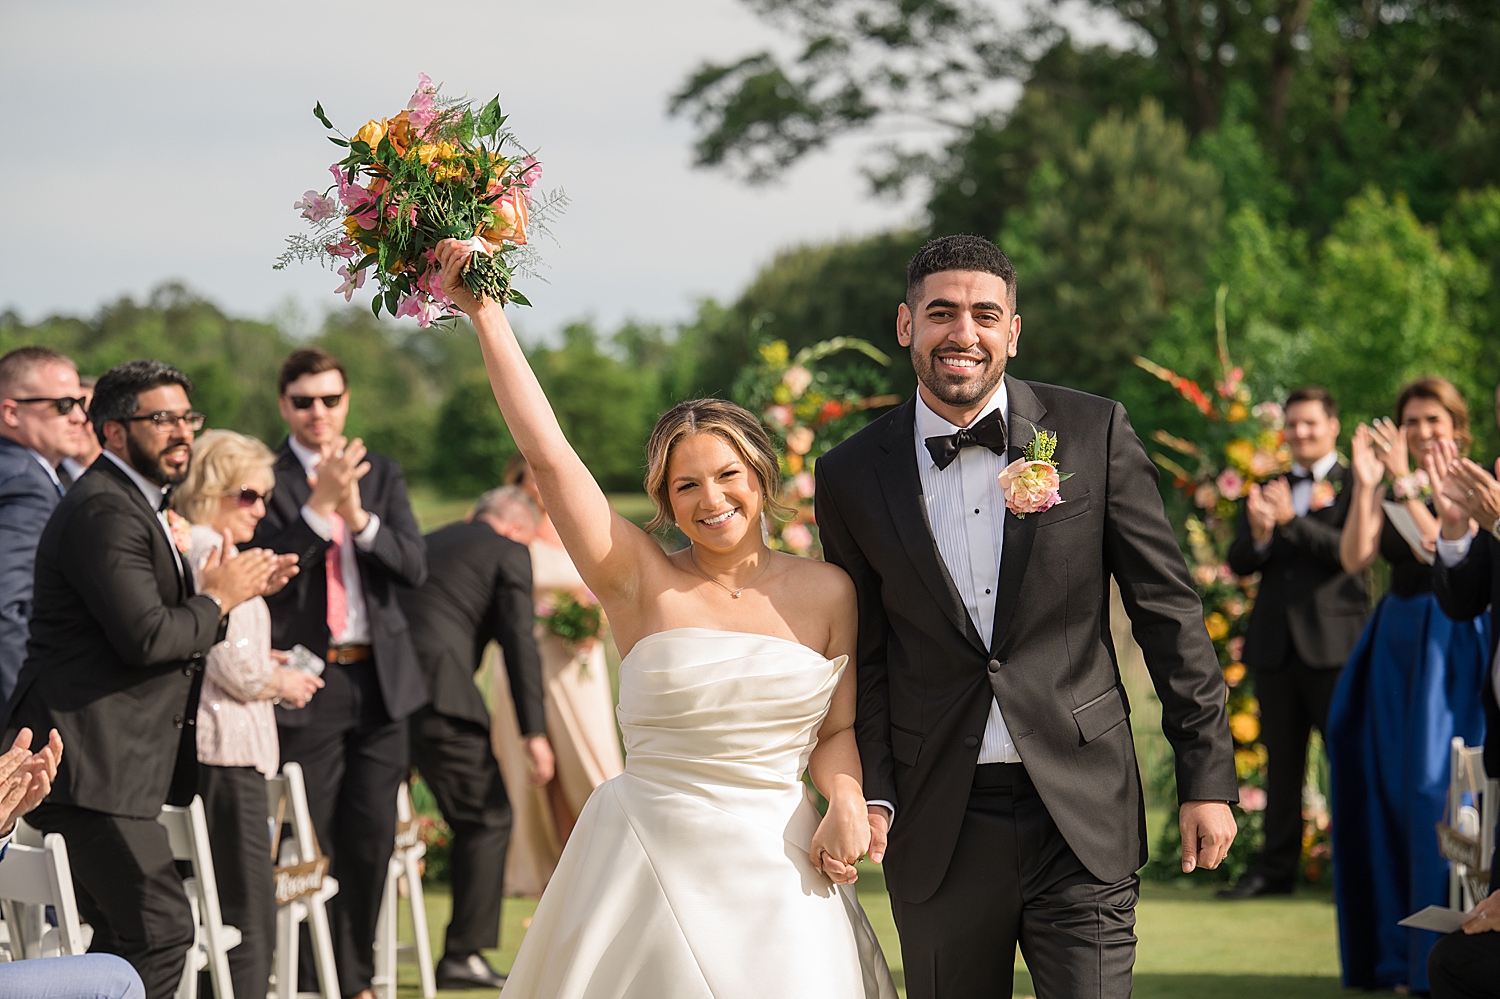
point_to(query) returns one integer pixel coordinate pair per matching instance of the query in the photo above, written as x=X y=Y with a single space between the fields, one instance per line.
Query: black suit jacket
x=299 y=613
x=1463 y=592
x=1305 y=598
x=926 y=679
x=115 y=658
x=478 y=589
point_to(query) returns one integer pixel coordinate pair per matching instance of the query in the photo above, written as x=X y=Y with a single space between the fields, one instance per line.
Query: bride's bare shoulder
x=822 y=582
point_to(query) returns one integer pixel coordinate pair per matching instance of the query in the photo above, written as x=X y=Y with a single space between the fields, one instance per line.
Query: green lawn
x=1191 y=944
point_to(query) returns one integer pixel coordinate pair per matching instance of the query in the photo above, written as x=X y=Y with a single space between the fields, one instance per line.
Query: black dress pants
x=455 y=758
x=128 y=890
x=1465 y=967
x=1293 y=698
x=1014 y=879
x=354 y=757
x=239 y=837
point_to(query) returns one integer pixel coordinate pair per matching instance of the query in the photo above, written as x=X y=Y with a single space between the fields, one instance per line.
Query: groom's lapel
x=1025 y=409
x=897 y=472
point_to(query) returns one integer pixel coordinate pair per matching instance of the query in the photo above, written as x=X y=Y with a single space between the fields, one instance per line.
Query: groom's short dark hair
x=960 y=253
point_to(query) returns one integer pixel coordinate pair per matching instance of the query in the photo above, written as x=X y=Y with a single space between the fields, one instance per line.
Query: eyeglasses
x=249 y=497
x=306 y=401
x=164 y=421
x=63 y=404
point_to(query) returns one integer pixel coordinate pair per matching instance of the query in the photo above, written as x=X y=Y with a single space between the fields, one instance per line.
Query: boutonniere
x=182 y=531
x=1031 y=482
x=1416 y=486
x=1324 y=492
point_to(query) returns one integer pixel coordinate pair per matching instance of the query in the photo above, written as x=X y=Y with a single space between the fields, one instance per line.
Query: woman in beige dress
x=580 y=718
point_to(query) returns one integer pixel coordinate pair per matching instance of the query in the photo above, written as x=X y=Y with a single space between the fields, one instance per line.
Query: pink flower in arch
x=1231 y=484
x=797 y=536
x=805 y=484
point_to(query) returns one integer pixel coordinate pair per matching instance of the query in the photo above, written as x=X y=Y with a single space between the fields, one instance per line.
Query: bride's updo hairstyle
x=736 y=426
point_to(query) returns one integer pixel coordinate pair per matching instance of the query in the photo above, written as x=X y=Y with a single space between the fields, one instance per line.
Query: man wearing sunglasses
x=40 y=424
x=344 y=513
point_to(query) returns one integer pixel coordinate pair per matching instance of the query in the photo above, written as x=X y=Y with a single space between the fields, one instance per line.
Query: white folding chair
x=1472 y=811
x=36 y=874
x=303 y=889
x=187 y=831
x=405 y=866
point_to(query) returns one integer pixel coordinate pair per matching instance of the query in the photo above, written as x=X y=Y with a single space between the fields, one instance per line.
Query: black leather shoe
x=472 y=972
x=1256 y=885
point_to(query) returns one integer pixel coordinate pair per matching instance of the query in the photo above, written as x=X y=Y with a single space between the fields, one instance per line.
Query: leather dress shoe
x=1256 y=885
x=472 y=972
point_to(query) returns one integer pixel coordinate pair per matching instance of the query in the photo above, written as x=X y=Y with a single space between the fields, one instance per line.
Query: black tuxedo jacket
x=115 y=658
x=1305 y=598
x=926 y=679
x=299 y=613
x=1463 y=592
x=478 y=589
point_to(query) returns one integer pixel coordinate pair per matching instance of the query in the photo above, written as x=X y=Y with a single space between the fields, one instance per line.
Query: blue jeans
x=88 y=976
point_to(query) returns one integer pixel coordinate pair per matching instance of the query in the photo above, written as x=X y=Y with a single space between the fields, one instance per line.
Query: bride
x=703 y=871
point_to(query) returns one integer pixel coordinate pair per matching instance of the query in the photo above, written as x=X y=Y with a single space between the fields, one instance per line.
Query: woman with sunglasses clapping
x=222 y=500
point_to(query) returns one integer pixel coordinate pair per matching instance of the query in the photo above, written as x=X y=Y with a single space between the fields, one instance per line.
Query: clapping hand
x=1390 y=443
x=336 y=488
x=236 y=578
x=1278 y=494
x=26 y=777
x=1447 y=492
x=1369 y=470
x=1262 y=515
x=1472 y=486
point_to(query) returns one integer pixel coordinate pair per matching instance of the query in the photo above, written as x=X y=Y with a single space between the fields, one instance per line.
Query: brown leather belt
x=346 y=654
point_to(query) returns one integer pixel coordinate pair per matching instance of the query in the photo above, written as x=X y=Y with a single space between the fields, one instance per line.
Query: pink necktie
x=334 y=563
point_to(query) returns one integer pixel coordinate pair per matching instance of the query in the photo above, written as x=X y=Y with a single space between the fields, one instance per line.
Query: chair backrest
x=187 y=831
x=41 y=876
x=287 y=795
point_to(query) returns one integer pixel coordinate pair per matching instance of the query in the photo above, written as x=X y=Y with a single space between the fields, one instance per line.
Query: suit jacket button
x=187 y=671
x=971 y=741
x=995 y=665
x=177 y=721
x=196 y=656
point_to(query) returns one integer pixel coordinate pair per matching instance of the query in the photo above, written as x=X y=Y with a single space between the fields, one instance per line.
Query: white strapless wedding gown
x=687 y=876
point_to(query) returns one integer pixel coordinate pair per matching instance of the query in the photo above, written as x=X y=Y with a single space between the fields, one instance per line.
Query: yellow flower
x=1240 y=453
x=1244 y=727
x=371 y=132
x=1238 y=412
x=1218 y=626
x=1234 y=674
x=1246 y=763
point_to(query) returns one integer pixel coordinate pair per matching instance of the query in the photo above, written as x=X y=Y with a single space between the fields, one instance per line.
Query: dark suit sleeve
x=1463 y=592
x=24 y=509
x=1166 y=618
x=872 y=720
x=514 y=615
x=1318 y=539
x=109 y=563
x=1244 y=559
x=398 y=547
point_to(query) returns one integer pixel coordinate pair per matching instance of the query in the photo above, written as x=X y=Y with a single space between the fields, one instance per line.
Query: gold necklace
x=733 y=593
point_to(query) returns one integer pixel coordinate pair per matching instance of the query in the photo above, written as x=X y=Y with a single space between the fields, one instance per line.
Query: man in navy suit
x=41 y=413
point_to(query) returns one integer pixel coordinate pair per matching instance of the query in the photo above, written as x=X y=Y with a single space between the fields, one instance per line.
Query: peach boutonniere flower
x=1032 y=481
x=182 y=531
x=1323 y=495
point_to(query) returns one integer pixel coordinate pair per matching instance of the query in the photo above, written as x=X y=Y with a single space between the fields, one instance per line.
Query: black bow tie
x=988 y=432
x=1296 y=476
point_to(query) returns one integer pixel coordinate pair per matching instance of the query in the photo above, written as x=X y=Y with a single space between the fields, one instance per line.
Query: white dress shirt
x=155 y=495
x=966 y=508
x=356 y=615
x=51 y=472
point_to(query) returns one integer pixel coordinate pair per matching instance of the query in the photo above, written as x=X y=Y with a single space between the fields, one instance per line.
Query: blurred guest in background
x=224 y=498
x=345 y=514
x=41 y=420
x=1411 y=685
x=478 y=590
x=580 y=721
x=1466 y=965
x=88 y=449
x=1307 y=616
x=115 y=664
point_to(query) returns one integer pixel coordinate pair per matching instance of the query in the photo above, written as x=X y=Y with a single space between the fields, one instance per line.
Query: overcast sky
x=151 y=141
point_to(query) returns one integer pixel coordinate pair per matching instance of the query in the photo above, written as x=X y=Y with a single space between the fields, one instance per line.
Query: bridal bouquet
x=438 y=169
x=571 y=620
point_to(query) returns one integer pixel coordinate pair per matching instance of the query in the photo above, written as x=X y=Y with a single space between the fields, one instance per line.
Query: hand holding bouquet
x=437 y=170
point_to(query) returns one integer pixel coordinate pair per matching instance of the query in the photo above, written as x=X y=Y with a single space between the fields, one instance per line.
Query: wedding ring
x=1469 y=494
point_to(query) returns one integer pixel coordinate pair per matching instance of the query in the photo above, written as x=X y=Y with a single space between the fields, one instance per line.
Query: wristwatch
x=217 y=602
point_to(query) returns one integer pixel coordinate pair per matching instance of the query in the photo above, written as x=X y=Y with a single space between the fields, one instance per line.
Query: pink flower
x=352 y=281
x=1204 y=574
x=1252 y=799
x=779 y=415
x=1231 y=484
x=420 y=306
x=1225 y=574
x=316 y=207
x=531 y=175
x=182 y=531
x=797 y=536
x=799 y=440
x=343 y=248
x=805 y=484
x=1236 y=647
x=1323 y=495
x=423 y=100
x=1263 y=463
x=1206 y=496
x=796 y=379
x=1269 y=413
x=1030 y=486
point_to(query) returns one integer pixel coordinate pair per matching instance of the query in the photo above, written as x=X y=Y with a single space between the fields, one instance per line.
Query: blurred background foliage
x=1332 y=163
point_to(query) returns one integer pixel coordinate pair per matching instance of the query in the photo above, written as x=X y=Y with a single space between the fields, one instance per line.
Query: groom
x=993 y=725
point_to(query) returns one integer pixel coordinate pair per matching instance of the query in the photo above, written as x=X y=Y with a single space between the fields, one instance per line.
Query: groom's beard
x=959 y=390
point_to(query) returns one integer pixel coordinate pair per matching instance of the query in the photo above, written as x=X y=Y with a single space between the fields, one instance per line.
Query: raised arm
x=611 y=553
x=1360 y=542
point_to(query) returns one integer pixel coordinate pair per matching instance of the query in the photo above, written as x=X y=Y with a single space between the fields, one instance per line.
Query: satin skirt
x=1413 y=682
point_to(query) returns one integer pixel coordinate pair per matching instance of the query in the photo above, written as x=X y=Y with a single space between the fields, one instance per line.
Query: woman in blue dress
x=1412 y=683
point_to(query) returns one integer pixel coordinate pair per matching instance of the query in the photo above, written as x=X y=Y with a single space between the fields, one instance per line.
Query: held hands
x=1208 y=829
x=336 y=486
x=1262 y=516
x=26 y=777
x=241 y=576
x=452 y=255
x=844 y=834
x=543 y=762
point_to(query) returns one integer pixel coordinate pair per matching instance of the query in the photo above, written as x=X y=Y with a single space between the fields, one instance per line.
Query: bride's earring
x=765 y=535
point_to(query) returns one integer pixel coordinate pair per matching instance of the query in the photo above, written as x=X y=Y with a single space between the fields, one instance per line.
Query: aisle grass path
x=1191 y=944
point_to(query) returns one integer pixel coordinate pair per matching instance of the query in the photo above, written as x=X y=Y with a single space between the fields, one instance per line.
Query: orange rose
x=371 y=132
x=509 y=220
x=398 y=130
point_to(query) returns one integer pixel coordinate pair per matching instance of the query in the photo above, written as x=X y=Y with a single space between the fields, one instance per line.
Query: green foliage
x=472 y=443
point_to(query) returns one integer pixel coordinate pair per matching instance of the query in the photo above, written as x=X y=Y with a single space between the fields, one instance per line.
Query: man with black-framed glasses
x=40 y=420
